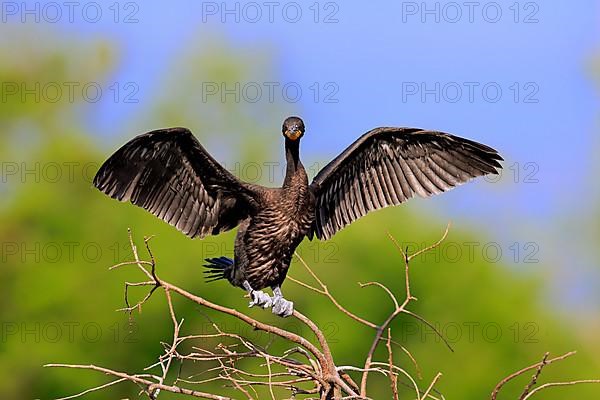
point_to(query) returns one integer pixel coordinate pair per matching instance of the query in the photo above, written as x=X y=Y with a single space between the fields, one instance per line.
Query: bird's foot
x=282 y=307
x=261 y=299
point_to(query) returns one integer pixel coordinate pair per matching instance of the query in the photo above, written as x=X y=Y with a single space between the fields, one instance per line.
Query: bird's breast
x=272 y=236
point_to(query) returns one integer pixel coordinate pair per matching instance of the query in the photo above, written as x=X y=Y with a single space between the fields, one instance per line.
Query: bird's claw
x=261 y=299
x=282 y=307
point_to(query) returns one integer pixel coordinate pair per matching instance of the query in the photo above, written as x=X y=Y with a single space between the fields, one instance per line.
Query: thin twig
x=522 y=371
x=535 y=377
x=398 y=310
x=393 y=377
x=433 y=382
x=94 y=389
x=569 y=383
x=144 y=382
x=325 y=291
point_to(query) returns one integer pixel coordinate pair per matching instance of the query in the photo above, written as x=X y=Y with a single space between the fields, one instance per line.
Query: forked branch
x=529 y=390
x=306 y=368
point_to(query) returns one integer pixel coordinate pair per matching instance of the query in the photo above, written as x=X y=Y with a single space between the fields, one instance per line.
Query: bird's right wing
x=387 y=166
x=169 y=173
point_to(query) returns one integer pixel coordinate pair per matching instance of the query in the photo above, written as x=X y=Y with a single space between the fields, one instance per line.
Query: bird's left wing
x=169 y=173
x=387 y=166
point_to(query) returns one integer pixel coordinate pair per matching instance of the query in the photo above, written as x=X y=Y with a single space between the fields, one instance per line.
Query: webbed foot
x=282 y=307
x=259 y=298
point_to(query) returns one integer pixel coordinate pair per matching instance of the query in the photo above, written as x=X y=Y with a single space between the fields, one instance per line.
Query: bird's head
x=293 y=128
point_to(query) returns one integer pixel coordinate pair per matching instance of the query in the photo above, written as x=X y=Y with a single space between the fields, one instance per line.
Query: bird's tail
x=218 y=268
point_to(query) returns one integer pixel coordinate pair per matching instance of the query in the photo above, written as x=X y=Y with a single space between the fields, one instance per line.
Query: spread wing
x=387 y=166
x=169 y=173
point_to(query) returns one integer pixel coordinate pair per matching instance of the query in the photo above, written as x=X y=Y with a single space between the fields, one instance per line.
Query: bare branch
x=535 y=376
x=547 y=385
x=325 y=291
x=393 y=377
x=305 y=366
x=522 y=371
x=94 y=389
x=397 y=310
x=142 y=381
x=433 y=382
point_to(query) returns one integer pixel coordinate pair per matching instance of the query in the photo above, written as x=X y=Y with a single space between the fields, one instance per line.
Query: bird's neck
x=294 y=169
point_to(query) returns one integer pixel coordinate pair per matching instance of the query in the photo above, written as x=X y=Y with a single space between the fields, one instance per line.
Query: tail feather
x=218 y=268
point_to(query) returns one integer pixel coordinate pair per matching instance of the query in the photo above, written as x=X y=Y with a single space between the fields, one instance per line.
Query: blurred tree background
x=59 y=236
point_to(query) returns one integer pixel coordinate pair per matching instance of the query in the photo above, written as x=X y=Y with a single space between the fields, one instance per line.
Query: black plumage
x=170 y=174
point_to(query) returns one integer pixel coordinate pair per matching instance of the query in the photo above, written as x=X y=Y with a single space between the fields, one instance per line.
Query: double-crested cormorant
x=170 y=174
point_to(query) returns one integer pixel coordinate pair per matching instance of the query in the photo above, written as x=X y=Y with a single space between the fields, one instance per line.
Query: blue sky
x=380 y=56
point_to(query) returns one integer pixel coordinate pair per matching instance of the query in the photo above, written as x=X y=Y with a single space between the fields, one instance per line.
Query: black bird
x=170 y=174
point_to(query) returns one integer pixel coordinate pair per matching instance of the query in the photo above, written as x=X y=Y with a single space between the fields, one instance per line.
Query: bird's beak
x=293 y=134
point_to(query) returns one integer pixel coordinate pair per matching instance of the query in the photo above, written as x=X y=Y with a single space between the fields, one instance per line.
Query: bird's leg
x=259 y=298
x=282 y=307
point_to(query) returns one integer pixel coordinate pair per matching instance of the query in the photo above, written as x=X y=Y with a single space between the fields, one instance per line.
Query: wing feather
x=169 y=173
x=388 y=166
